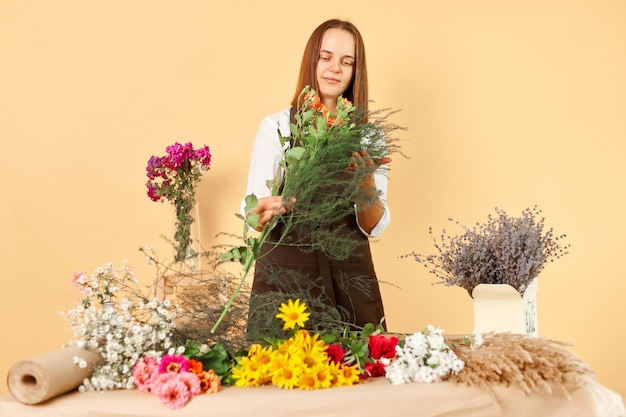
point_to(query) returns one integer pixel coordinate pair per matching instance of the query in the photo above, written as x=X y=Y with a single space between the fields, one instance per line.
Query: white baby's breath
x=423 y=357
x=122 y=334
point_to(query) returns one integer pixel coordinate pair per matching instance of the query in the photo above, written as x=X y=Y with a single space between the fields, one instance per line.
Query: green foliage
x=355 y=342
x=316 y=170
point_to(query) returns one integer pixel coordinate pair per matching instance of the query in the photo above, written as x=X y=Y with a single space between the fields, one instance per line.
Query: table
x=375 y=397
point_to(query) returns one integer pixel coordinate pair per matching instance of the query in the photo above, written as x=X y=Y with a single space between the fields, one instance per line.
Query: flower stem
x=254 y=249
x=246 y=269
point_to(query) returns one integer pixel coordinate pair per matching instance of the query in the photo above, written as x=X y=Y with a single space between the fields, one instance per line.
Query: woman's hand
x=268 y=207
x=363 y=160
x=370 y=210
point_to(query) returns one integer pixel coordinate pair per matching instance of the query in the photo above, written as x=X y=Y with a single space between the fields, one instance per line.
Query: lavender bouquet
x=503 y=250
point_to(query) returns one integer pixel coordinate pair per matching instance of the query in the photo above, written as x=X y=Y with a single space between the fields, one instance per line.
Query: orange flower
x=195 y=366
x=333 y=121
x=315 y=103
x=209 y=382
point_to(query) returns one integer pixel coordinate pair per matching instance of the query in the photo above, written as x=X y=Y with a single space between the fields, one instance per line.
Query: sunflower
x=293 y=314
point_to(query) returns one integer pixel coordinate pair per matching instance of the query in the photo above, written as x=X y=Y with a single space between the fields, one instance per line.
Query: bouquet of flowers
x=103 y=283
x=323 y=360
x=120 y=332
x=314 y=173
x=174 y=177
x=423 y=357
x=503 y=250
x=174 y=378
x=305 y=360
x=315 y=169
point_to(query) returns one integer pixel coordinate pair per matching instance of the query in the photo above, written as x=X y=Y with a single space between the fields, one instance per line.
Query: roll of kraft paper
x=38 y=379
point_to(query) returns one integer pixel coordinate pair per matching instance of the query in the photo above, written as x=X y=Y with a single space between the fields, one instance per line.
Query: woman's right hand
x=268 y=207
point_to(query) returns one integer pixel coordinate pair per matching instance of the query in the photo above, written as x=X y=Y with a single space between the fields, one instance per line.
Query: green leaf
x=216 y=358
x=321 y=124
x=359 y=348
x=295 y=154
x=253 y=221
x=307 y=116
x=235 y=254
x=251 y=203
x=368 y=329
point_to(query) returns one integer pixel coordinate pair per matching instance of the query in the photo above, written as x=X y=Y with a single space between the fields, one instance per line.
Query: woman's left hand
x=370 y=209
x=363 y=160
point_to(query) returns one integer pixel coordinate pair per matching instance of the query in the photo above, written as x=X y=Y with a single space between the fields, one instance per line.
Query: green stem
x=246 y=269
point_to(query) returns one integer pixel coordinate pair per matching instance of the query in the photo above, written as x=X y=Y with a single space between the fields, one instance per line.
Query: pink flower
x=144 y=372
x=204 y=156
x=80 y=282
x=174 y=364
x=335 y=352
x=173 y=392
x=79 y=279
x=191 y=381
x=153 y=194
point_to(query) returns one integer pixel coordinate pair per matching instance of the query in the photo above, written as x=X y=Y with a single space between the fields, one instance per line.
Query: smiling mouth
x=331 y=80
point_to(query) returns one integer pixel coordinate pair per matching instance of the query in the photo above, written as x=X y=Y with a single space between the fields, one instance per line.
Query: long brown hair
x=357 y=91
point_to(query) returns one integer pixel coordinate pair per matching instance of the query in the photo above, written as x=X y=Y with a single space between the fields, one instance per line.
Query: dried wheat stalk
x=530 y=363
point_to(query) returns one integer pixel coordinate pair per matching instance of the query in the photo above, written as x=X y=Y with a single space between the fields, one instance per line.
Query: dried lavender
x=503 y=250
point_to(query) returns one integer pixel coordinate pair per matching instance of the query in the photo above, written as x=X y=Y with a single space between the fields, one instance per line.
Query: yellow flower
x=286 y=371
x=333 y=374
x=293 y=314
x=308 y=380
x=246 y=373
x=254 y=369
x=314 y=355
x=324 y=377
x=348 y=375
x=263 y=359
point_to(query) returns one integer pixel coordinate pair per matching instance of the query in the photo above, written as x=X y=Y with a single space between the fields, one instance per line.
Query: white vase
x=501 y=308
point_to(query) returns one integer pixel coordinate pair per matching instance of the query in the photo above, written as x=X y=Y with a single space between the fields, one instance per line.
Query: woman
x=333 y=65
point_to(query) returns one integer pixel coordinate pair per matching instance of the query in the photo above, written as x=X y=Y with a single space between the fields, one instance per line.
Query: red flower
x=382 y=347
x=335 y=352
x=373 y=370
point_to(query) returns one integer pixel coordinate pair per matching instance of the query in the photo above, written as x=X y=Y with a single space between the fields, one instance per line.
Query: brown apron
x=350 y=285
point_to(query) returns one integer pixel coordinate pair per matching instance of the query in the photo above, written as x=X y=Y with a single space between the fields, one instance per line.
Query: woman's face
x=335 y=65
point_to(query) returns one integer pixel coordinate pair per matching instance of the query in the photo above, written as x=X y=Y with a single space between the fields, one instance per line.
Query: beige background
x=508 y=104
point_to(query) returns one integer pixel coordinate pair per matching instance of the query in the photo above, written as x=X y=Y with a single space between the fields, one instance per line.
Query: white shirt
x=267 y=153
